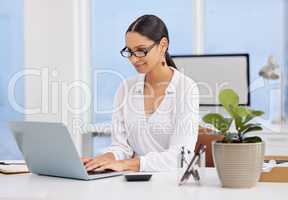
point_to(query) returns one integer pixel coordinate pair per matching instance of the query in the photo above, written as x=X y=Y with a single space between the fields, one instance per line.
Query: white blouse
x=156 y=139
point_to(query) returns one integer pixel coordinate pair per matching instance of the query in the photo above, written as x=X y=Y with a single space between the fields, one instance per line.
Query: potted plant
x=238 y=158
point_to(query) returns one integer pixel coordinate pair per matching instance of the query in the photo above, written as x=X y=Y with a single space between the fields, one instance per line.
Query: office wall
x=11 y=61
x=286 y=65
x=256 y=27
x=57 y=61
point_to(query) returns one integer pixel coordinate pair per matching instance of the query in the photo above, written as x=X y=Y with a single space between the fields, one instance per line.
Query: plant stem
x=240 y=136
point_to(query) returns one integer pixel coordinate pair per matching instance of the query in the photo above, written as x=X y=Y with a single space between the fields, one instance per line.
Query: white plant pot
x=238 y=165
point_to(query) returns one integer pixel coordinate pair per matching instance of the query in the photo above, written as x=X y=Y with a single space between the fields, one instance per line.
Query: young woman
x=156 y=112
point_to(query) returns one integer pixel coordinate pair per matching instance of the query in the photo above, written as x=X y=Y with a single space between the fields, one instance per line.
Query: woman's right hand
x=92 y=163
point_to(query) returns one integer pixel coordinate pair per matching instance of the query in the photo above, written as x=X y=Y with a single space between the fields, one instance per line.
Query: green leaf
x=229 y=137
x=225 y=126
x=254 y=139
x=246 y=126
x=218 y=121
x=252 y=115
x=254 y=128
x=257 y=113
x=228 y=98
x=243 y=112
x=211 y=117
x=243 y=115
x=228 y=121
x=237 y=113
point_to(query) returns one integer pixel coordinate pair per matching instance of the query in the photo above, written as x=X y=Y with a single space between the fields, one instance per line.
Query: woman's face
x=138 y=42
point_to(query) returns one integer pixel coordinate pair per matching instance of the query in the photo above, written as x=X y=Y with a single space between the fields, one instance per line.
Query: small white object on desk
x=267 y=167
x=13 y=167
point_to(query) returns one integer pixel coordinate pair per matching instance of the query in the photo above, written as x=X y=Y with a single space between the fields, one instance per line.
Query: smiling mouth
x=138 y=65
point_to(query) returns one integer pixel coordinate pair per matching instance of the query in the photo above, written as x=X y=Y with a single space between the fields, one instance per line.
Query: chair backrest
x=206 y=137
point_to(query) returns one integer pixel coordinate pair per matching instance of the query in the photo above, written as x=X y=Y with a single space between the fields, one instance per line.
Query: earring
x=163 y=60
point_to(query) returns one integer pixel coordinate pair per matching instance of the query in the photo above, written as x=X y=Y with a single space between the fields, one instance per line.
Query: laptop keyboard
x=100 y=172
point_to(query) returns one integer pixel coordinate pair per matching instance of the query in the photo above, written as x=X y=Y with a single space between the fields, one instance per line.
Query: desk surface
x=161 y=186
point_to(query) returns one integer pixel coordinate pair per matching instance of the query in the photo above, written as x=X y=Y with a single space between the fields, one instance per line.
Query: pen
x=5 y=163
x=187 y=173
x=190 y=169
x=188 y=156
x=182 y=157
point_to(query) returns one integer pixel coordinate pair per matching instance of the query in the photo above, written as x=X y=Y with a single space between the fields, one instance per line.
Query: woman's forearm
x=132 y=164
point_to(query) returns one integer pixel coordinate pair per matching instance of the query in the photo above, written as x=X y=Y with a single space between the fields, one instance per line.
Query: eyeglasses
x=125 y=52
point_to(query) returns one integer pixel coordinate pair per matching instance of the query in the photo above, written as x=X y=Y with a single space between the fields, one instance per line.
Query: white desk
x=162 y=186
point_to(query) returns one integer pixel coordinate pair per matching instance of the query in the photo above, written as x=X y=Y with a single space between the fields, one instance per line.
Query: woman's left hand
x=118 y=166
x=122 y=165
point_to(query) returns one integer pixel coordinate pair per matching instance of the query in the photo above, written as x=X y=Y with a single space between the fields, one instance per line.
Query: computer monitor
x=215 y=72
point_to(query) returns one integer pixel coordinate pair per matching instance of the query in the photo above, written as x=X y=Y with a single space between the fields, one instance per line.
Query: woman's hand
x=92 y=163
x=118 y=165
x=122 y=165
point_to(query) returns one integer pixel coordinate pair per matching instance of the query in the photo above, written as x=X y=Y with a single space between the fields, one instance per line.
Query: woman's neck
x=160 y=74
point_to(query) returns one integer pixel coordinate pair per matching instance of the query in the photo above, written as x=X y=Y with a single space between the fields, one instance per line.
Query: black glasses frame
x=133 y=53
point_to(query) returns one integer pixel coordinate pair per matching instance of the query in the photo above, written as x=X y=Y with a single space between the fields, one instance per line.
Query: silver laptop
x=48 y=149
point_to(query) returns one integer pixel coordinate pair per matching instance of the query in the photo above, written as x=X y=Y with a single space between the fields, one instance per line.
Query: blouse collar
x=171 y=89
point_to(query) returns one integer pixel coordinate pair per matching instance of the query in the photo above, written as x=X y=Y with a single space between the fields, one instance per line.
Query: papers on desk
x=275 y=170
x=13 y=167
